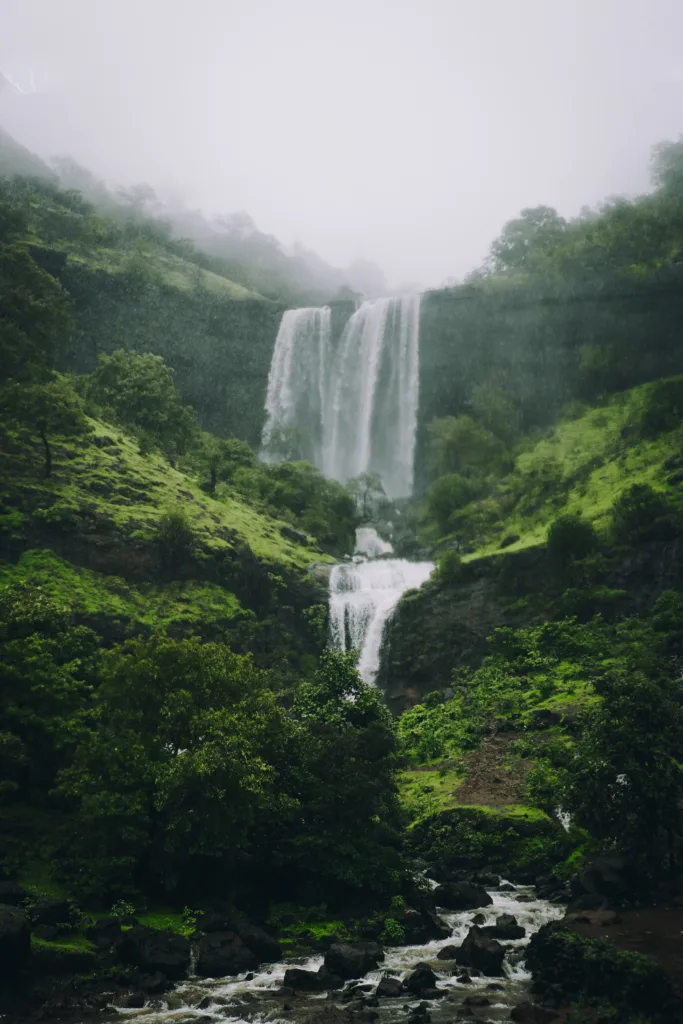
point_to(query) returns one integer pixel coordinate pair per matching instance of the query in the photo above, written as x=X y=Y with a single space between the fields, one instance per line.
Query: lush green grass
x=167 y=921
x=427 y=792
x=119 y=487
x=580 y=467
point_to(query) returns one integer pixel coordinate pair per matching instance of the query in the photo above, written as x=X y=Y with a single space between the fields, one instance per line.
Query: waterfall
x=363 y=596
x=353 y=410
x=296 y=400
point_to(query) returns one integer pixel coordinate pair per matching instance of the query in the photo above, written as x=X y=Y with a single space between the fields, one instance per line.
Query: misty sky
x=401 y=131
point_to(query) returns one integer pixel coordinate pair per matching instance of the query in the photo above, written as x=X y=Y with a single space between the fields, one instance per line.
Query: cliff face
x=444 y=625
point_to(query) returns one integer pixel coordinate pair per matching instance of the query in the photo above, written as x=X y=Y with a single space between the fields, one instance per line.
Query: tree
x=46 y=409
x=495 y=409
x=34 y=308
x=446 y=495
x=526 y=240
x=460 y=445
x=138 y=391
x=367 y=490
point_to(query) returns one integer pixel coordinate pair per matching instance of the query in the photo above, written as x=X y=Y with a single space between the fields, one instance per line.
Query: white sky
x=401 y=131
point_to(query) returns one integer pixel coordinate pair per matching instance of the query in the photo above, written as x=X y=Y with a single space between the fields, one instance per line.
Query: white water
x=296 y=400
x=353 y=410
x=363 y=595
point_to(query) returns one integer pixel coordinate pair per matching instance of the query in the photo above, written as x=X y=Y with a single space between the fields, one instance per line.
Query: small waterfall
x=363 y=595
x=353 y=410
x=296 y=400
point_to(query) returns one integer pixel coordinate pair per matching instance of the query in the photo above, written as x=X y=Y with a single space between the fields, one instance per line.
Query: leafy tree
x=570 y=536
x=525 y=241
x=495 y=408
x=369 y=495
x=446 y=495
x=642 y=514
x=47 y=409
x=460 y=445
x=138 y=391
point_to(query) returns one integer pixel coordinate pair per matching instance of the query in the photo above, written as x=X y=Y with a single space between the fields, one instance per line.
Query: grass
x=118 y=487
x=428 y=792
x=579 y=467
x=167 y=921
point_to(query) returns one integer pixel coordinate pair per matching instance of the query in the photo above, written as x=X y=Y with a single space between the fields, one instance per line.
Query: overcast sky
x=401 y=131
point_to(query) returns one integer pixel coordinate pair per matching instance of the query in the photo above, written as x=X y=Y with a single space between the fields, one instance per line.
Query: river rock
x=506 y=927
x=418 y=980
x=153 y=950
x=421 y=925
x=353 y=961
x=303 y=981
x=389 y=988
x=105 y=932
x=461 y=896
x=482 y=952
x=221 y=953
x=447 y=953
x=530 y=1013
x=15 y=940
x=259 y=941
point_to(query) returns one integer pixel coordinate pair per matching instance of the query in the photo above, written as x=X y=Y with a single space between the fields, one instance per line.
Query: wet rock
x=389 y=988
x=488 y=878
x=464 y=978
x=433 y=993
x=221 y=953
x=506 y=887
x=479 y=919
x=15 y=940
x=530 y=1013
x=587 y=901
x=353 y=961
x=421 y=925
x=130 y=1001
x=154 y=950
x=605 y=876
x=421 y=978
x=476 y=1001
x=330 y=980
x=304 y=981
x=51 y=912
x=259 y=941
x=506 y=927
x=12 y=894
x=462 y=896
x=482 y=952
x=105 y=932
x=447 y=953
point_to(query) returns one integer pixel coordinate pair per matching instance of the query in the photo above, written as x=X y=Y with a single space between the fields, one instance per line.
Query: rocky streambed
x=475 y=971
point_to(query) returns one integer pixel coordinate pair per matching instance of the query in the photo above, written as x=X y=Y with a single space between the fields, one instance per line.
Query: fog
x=400 y=131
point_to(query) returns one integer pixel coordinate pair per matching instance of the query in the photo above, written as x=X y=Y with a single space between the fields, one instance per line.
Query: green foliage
x=449 y=566
x=458 y=444
x=393 y=933
x=446 y=496
x=175 y=536
x=642 y=514
x=570 y=537
x=47 y=408
x=662 y=407
x=138 y=391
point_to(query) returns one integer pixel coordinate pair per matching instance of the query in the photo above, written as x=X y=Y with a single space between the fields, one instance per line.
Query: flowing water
x=248 y=999
x=363 y=595
x=352 y=408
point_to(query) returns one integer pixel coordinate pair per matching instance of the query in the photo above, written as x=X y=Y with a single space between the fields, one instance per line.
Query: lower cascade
x=363 y=595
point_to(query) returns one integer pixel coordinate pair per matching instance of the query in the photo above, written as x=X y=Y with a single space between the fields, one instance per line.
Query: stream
x=256 y=997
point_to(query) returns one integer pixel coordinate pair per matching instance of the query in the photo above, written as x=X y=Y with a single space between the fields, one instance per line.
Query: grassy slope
x=594 y=458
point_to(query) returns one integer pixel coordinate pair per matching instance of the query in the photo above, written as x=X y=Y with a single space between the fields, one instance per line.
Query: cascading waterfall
x=363 y=595
x=353 y=410
x=296 y=400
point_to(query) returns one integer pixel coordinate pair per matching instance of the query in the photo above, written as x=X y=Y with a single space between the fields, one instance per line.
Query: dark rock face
x=51 y=912
x=105 y=932
x=353 y=961
x=421 y=925
x=447 y=953
x=154 y=950
x=15 y=940
x=462 y=896
x=389 y=988
x=420 y=979
x=482 y=952
x=221 y=953
x=529 y=1013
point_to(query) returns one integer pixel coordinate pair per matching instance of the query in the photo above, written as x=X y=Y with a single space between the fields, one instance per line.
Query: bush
x=642 y=514
x=450 y=566
x=570 y=536
x=663 y=408
x=175 y=535
x=448 y=494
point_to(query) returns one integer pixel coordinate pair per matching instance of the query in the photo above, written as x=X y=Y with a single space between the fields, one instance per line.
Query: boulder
x=389 y=988
x=51 y=912
x=46 y=932
x=447 y=953
x=15 y=940
x=506 y=927
x=461 y=896
x=480 y=951
x=529 y=1013
x=105 y=932
x=154 y=984
x=605 y=876
x=12 y=894
x=330 y=980
x=303 y=981
x=353 y=961
x=259 y=941
x=130 y=1001
x=421 y=925
x=153 y=950
x=223 y=953
x=419 y=980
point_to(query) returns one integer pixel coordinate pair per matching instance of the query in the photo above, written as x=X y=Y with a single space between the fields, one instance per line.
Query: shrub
x=175 y=535
x=641 y=514
x=570 y=536
x=663 y=407
x=450 y=566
